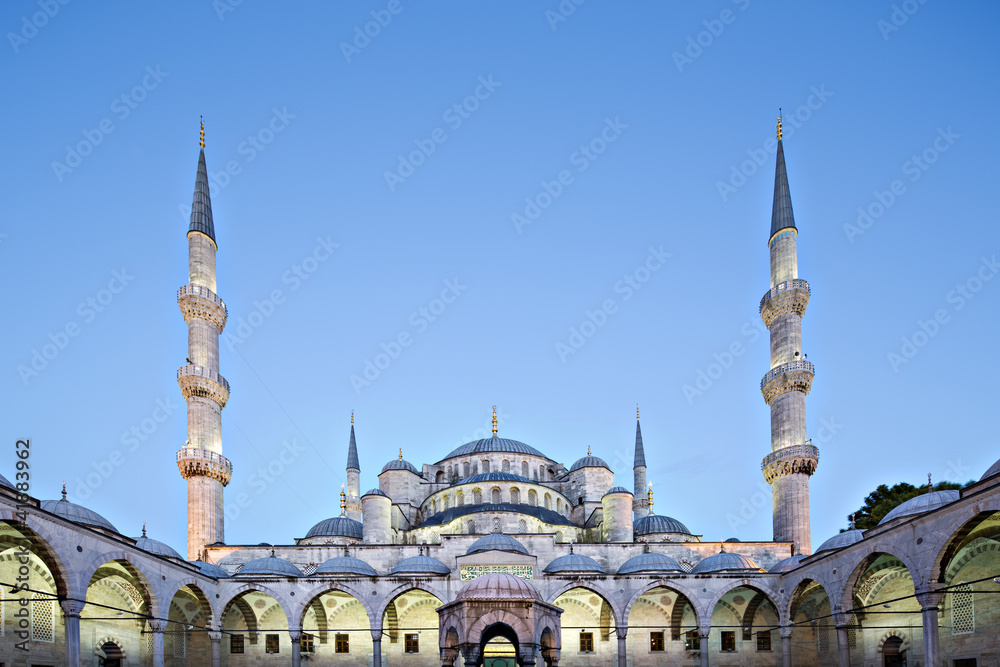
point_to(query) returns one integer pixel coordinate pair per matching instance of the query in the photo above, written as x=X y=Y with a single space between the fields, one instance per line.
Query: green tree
x=884 y=499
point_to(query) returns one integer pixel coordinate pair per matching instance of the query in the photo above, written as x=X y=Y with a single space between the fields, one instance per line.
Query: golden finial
x=343 y=501
x=400 y=453
x=201 y=139
x=494 y=421
x=650 y=497
x=636 y=410
x=779 y=123
x=588 y=450
x=930 y=487
x=144 y=529
x=352 y=417
x=64 y=490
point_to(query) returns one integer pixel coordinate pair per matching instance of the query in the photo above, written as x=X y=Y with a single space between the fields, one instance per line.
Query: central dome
x=487 y=445
x=498 y=586
x=493 y=477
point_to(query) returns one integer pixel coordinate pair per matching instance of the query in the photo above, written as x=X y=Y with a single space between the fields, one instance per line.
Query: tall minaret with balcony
x=640 y=502
x=793 y=458
x=201 y=461
x=353 y=497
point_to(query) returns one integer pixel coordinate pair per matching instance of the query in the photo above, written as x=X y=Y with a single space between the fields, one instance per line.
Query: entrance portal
x=891 y=654
x=499 y=652
x=112 y=655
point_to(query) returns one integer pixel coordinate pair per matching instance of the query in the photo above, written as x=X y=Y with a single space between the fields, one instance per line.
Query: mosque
x=500 y=554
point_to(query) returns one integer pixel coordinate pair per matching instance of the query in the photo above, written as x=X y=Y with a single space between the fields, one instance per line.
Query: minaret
x=353 y=501
x=793 y=457
x=640 y=502
x=201 y=461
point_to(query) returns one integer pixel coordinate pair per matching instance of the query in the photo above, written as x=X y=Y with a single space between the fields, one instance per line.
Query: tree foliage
x=884 y=499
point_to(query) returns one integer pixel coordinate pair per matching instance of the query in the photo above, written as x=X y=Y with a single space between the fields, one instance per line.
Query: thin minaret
x=353 y=501
x=793 y=457
x=640 y=501
x=201 y=461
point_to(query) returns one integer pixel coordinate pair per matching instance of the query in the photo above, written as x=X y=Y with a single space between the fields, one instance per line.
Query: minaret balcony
x=785 y=378
x=199 y=302
x=203 y=381
x=791 y=296
x=198 y=462
x=801 y=459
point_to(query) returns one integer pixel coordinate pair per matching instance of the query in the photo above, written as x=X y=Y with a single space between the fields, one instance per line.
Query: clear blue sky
x=682 y=120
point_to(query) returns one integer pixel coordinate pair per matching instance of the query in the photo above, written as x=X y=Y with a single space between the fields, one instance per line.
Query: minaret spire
x=640 y=502
x=201 y=204
x=353 y=497
x=793 y=457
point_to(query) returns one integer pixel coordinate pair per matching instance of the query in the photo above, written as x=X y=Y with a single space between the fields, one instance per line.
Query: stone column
x=157 y=627
x=71 y=620
x=622 y=632
x=377 y=647
x=786 y=647
x=296 y=639
x=843 y=648
x=216 y=639
x=471 y=653
x=703 y=644
x=528 y=656
x=929 y=601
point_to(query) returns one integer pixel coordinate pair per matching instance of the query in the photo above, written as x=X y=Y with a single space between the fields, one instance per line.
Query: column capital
x=156 y=625
x=929 y=598
x=840 y=619
x=376 y=634
x=214 y=637
x=785 y=631
x=72 y=607
x=704 y=630
x=295 y=635
x=622 y=630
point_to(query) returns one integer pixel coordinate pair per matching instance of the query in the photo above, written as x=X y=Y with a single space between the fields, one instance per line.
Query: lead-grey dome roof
x=993 y=470
x=346 y=565
x=725 y=561
x=338 y=526
x=786 y=565
x=376 y=492
x=650 y=563
x=922 y=503
x=574 y=563
x=493 y=477
x=841 y=540
x=487 y=445
x=4 y=482
x=618 y=489
x=271 y=567
x=420 y=565
x=210 y=570
x=156 y=547
x=400 y=464
x=659 y=524
x=77 y=513
x=588 y=462
x=498 y=586
x=497 y=542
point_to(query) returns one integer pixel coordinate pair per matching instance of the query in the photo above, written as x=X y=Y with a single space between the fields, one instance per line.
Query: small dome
x=841 y=540
x=210 y=570
x=787 y=565
x=420 y=565
x=497 y=542
x=156 y=547
x=922 y=503
x=271 y=567
x=346 y=565
x=498 y=586
x=618 y=489
x=650 y=563
x=338 y=526
x=588 y=462
x=724 y=561
x=487 y=445
x=400 y=464
x=4 y=482
x=76 y=513
x=659 y=524
x=734 y=539
x=376 y=492
x=993 y=470
x=494 y=477
x=574 y=563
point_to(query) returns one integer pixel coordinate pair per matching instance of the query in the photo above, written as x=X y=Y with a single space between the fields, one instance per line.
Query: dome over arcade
x=270 y=567
x=496 y=542
x=210 y=570
x=155 y=547
x=76 y=513
x=588 y=461
x=841 y=540
x=494 y=477
x=346 y=565
x=993 y=470
x=498 y=586
x=574 y=563
x=725 y=561
x=420 y=565
x=494 y=445
x=922 y=503
x=787 y=565
x=650 y=562
x=338 y=526
x=655 y=523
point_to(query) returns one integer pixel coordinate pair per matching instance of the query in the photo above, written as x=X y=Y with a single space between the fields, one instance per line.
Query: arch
x=845 y=594
x=472 y=526
x=495 y=495
x=798 y=586
x=595 y=587
x=532 y=497
x=477 y=496
x=893 y=634
x=439 y=477
x=48 y=549
x=524 y=470
x=672 y=584
x=499 y=617
x=131 y=565
x=229 y=595
x=203 y=600
x=486 y=465
x=404 y=588
x=948 y=544
x=515 y=495
x=755 y=585
x=505 y=466
x=313 y=594
x=459 y=498
x=114 y=641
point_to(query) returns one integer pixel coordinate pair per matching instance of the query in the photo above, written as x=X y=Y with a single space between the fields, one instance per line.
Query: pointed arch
x=595 y=587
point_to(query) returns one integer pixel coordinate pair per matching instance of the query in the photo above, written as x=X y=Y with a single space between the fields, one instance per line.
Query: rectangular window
x=961 y=662
x=271 y=644
x=692 y=642
x=963 y=617
x=341 y=644
x=728 y=640
x=655 y=641
x=411 y=643
x=307 y=644
x=764 y=640
x=586 y=642
x=236 y=643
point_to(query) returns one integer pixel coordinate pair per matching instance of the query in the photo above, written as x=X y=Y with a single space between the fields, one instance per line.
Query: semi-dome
x=499 y=445
x=787 y=565
x=338 y=526
x=271 y=567
x=76 y=513
x=346 y=565
x=922 y=503
x=400 y=464
x=655 y=523
x=494 y=477
x=841 y=540
x=588 y=461
x=420 y=565
x=574 y=563
x=498 y=586
x=993 y=470
x=375 y=492
x=618 y=489
x=725 y=561
x=156 y=547
x=497 y=542
x=210 y=570
x=5 y=482
x=650 y=563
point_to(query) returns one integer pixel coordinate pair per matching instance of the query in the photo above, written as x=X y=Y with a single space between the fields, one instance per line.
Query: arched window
x=552 y=474
x=449 y=472
x=477 y=496
x=475 y=468
x=532 y=497
x=496 y=524
x=524 y=469
x=505 y=466
x=444 y=503
x=434 y=507
x=459 y=499
x=559 y=505
x=522 y=526
x=439 y=477
x=486 y=466
x=465 y=469
x=472 y=527
x=548 y=502
x=515 y=495
x=495 y=495
x=541 y=473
